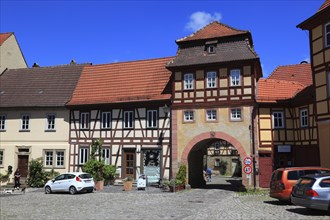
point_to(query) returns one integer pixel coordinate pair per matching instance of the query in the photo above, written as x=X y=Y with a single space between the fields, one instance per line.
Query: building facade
x=126 y=105
x=215 y=73
x=318 y=26
x=33 y=119
x=11 y=54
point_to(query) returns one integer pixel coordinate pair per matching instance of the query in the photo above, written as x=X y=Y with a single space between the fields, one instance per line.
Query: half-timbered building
x=126 y=105
x=287 y=130
x=214 y=73
x=318 y=26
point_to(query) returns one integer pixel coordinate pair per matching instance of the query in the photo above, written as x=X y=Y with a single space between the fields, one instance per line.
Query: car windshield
x=85 y=176
x=306 y=182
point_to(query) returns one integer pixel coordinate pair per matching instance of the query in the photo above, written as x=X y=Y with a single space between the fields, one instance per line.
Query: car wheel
x=48 y=190
x=72 y=190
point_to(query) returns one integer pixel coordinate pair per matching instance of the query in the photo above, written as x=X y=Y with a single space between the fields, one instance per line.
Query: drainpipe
x=253 y=146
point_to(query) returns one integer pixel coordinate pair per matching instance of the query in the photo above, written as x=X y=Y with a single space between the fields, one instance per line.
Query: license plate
x=87 y=181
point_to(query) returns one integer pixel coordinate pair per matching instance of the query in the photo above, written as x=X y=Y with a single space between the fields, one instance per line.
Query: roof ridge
x=132 y=61
x=284 y=81
x=218 y=22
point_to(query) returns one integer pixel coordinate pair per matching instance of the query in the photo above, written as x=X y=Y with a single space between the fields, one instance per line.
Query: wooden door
x=23 y=165
x=129 y=164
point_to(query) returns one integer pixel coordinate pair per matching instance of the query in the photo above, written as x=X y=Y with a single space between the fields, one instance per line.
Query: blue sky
x=104 y=31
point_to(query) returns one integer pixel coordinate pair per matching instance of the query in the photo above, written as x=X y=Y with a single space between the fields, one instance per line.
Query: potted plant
x=128 y=183
x=178 y=183
x=97 y=167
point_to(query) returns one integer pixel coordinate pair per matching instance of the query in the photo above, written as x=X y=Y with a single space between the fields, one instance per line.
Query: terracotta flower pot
x=99 y=185
x=128 y=185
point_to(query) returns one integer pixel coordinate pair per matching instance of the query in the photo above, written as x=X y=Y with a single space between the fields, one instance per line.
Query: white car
x=72 y=182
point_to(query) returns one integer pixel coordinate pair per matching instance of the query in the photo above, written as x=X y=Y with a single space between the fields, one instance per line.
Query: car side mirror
x=53 y=180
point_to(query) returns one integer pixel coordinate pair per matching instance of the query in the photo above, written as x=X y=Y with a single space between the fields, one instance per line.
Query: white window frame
x=327 y=35
x=328 y=84
x=106 y=120
x=50 y=122
x=25 y=122
x=211 y=49
x=2 y=152
x=83 y=155
x=278 y=116
x=304 y=117
x=152 y=118
x=211 y=115
x=211 y=79
x=188 y=116
x=235 y=77
x=188 y=82
x=49 y=158
x=128 y=122
x=60 y=158
x=106 y=155
x=84 y=120
x=236 y=114
x=2 y=122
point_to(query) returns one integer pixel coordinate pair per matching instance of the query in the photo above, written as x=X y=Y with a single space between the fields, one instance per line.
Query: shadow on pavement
x=278 y=203
x=228 y=183
x=308 y=212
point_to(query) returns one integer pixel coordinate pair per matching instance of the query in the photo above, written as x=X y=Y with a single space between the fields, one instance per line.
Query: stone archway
x=196 y=147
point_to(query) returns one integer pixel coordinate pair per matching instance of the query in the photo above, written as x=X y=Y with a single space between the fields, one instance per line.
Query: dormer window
x=211 y=49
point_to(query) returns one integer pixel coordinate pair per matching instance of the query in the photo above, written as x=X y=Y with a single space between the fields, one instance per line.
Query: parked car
x=312 y=191
x=283 y=179
x=71 y=182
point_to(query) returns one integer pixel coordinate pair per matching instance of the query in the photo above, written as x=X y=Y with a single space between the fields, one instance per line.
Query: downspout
x=253 y=147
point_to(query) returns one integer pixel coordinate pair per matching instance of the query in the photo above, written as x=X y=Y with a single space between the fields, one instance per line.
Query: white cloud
x=199 y=19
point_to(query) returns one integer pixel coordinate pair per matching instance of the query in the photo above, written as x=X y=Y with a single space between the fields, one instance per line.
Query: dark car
x=312 y=191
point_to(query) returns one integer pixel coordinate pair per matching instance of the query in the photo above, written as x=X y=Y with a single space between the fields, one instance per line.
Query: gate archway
x=193 y=154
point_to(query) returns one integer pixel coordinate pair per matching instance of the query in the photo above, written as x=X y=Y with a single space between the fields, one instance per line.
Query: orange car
x=283 y=179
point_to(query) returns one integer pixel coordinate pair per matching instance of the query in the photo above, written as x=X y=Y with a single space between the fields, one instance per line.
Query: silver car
x=312 y=191
x=71 y=182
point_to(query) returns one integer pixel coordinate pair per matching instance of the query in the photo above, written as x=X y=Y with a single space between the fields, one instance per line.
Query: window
x=211 y=49
x=188 y=81
x=303 y=117
x=235 y=114
x=48 y=158
x=211 y=115
x=235 y=77
x=128 y=119
x=84 y=120
x=106 y=120
x=327 y=35
x=2 y=122
x=188 y=116
x=83 y=155
x=211 y=80
x=50 y=124
x=25 y=122
x=106 y=155
x=152 y=119
x=1 y=157
x=278 y=119
x=328 y=84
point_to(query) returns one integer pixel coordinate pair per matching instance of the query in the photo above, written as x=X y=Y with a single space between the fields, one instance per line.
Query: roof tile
x=4 y=37
x=133 y=81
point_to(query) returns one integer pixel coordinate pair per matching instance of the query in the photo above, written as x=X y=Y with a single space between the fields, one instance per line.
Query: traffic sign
x=247 y=169
x=247 y=161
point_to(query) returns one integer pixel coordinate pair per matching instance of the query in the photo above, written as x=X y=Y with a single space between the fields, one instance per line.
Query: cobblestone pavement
x=215 y=202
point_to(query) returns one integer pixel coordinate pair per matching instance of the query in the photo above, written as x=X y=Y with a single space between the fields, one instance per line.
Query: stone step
x=119 y=182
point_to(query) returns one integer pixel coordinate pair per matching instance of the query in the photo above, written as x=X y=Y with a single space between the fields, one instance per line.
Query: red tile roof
x=272 y=90
x=213 y=30
x=324 y=5
x=4 y=37
x=301 y=73
x=134 y=81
